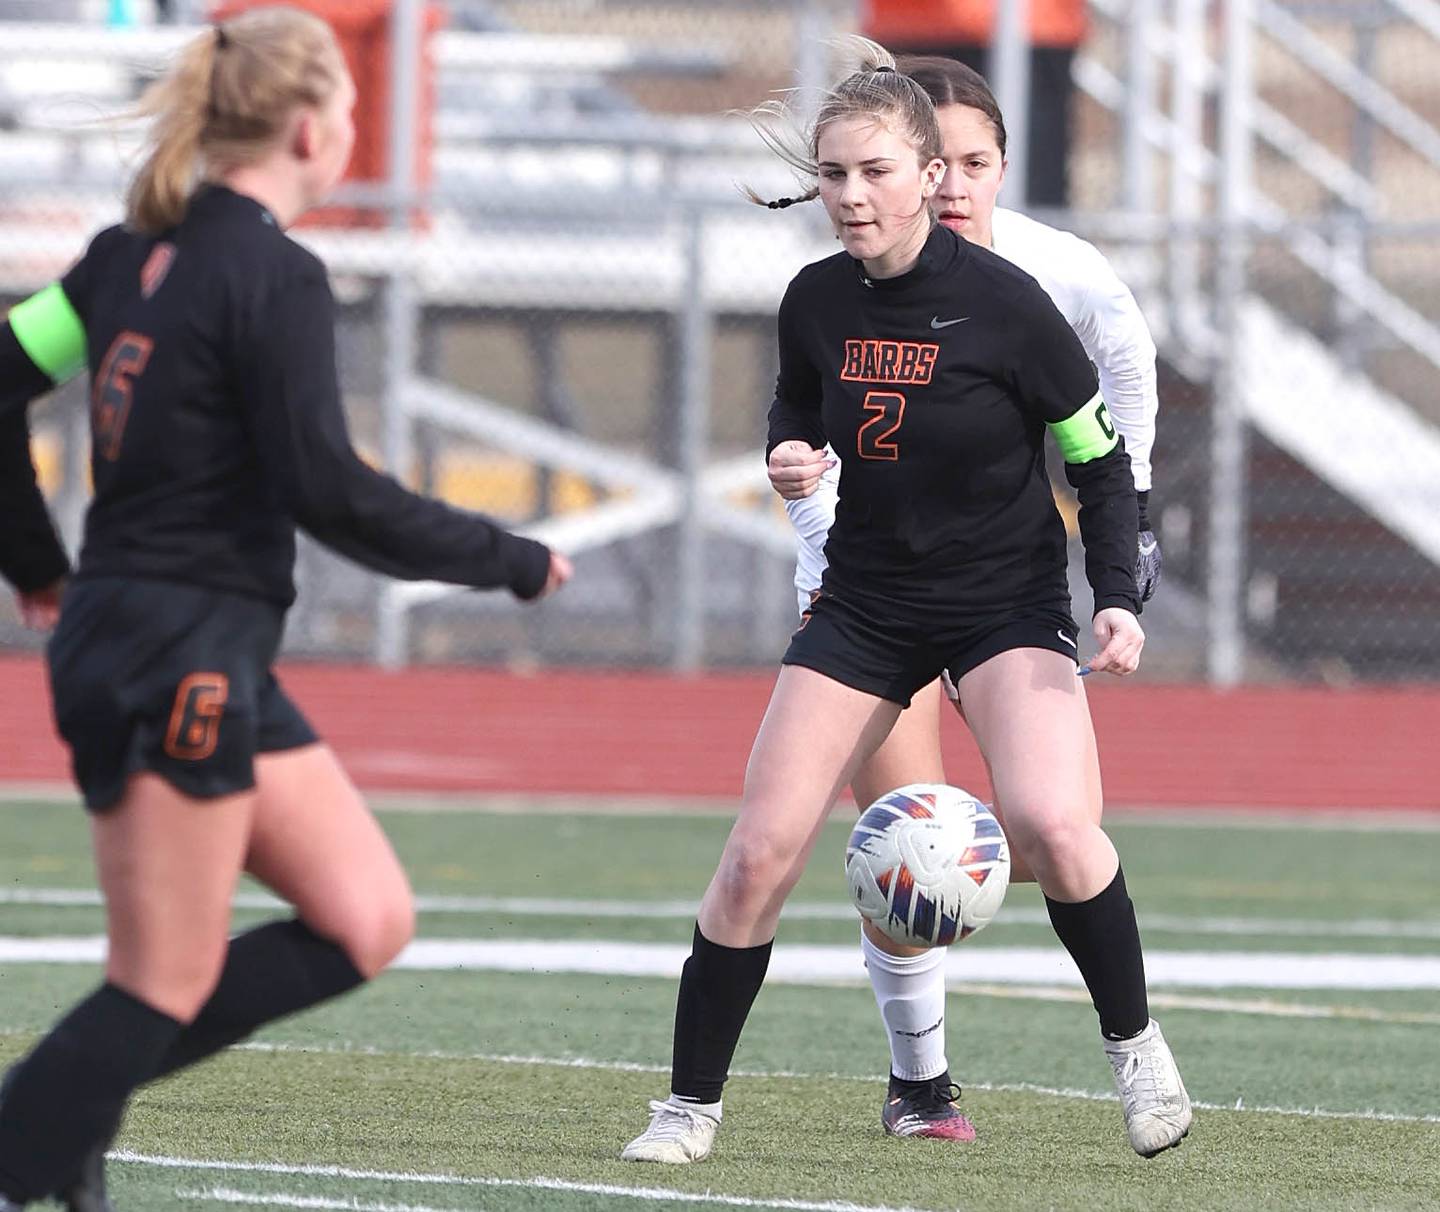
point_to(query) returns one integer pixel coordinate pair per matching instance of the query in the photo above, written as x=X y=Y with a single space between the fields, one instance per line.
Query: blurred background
x=557 y=308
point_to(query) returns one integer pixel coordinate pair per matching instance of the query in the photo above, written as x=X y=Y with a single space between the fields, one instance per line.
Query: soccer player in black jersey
x=217 y=429
x=909 y=982
x=933 y=368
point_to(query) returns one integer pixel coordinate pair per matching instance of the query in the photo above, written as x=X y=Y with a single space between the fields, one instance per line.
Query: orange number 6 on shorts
x=195 y=718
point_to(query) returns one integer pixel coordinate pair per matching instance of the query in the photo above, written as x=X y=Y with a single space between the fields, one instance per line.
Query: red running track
x=652 y=734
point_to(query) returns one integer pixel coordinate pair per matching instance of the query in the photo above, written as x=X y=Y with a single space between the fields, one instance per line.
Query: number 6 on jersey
x=124 y=361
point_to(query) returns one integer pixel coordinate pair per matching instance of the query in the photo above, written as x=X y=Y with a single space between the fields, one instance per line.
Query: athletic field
x=1294 y=964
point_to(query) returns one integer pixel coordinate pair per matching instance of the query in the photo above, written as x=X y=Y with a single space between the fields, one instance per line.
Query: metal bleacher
x=560 y=205
x=655 y=245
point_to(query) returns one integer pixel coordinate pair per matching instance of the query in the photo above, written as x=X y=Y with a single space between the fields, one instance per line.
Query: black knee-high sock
x=271 y=971
x=1104 y=941
x=717 y=988
x=68 y=1094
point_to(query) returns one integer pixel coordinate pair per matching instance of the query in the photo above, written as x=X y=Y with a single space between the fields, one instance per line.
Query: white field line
x=541 y=1183
x=553 y=907
x=616 y=1066
x=829 y=964
x=226 y=1195
x=1265 y=1007
x=1262 y=1007
x=1230 y=817
x=609 y=1066
x=1374 y=819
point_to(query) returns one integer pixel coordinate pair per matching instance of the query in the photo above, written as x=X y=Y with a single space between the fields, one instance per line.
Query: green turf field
x=498 y=1090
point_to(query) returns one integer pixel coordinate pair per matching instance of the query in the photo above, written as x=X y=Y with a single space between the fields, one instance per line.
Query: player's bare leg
x=314 y=843
x=1028 y=711
x=168 y=866
x=318 y=847
x=815 y=733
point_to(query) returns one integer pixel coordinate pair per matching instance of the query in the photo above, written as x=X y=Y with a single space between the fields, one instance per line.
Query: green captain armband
x=50 y=333
x=1087 y=434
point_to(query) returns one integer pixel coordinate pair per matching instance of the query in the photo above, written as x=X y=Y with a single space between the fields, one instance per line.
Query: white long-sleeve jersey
x=1102 y=311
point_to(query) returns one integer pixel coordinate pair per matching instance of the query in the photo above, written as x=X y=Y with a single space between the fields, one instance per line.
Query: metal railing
x=669 y=234
x=1217 y=325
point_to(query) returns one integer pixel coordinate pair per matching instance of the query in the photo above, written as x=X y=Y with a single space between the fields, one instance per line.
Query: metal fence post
x=74 y=496
x=813 y=26
x=1228 y=486
x=401 y=308
x=1137 y=175
x=694 y=431
x=1009 y=64
x=1188 y=113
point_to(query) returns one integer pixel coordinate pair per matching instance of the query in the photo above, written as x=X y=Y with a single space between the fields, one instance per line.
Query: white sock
x=689 y=1104
x=910 y=991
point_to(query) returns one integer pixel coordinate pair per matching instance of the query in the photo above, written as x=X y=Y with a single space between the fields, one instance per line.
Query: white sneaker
x=1157 y=1109
x=676 y=1135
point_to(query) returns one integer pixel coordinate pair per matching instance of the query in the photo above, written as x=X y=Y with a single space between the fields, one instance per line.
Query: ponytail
x=179 y=103
x=226 y=101
x=875 y=89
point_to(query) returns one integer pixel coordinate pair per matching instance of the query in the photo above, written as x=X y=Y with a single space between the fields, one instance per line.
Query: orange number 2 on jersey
x=874 y=439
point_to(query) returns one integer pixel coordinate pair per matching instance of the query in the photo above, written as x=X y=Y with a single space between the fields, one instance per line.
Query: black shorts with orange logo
x=170 y=678
x=883 y=654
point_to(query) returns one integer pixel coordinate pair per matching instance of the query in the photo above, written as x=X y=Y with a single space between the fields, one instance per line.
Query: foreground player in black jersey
x=933 y=368
x=908 y=982
x=217 y=428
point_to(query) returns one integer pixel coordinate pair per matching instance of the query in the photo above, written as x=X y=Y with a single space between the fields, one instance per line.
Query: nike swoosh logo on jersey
x=1068 y=640
x=937 y=322
x=1147 y=548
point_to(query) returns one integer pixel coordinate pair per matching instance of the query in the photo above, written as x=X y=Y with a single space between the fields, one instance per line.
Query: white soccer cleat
x=1157 y=1109
x=676 y=1135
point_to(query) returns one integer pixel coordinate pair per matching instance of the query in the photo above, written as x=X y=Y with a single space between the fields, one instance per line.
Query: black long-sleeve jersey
x=31 y=555
x=217 y=424
x=935 y=389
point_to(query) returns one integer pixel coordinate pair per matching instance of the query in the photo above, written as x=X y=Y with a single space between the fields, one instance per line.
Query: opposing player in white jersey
x=909 y=984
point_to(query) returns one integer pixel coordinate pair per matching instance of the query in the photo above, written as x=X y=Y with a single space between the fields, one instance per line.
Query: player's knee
x=177 y=982
x=372 y=926
x=754 y=869
x=1059 y=845
x=374 y=937
x=1047 y=837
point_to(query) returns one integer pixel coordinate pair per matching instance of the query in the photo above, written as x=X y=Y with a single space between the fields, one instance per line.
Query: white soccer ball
x=928 y=864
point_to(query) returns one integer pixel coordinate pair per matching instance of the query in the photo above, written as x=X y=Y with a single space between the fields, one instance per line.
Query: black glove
x=1147 y=558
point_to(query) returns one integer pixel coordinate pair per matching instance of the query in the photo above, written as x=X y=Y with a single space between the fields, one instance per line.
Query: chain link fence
x=565 y=316
x=1288 y=261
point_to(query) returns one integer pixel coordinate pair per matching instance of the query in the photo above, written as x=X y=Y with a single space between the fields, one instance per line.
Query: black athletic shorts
x=886 y=655
x=170 y=678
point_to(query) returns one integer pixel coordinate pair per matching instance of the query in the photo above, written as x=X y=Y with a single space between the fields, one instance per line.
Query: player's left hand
x=1147 y=565
x=1120 y=636
x=40 y=609
x=561 y=570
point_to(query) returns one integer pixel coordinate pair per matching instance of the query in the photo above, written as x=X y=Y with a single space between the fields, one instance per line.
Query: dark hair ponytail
x=950 y=82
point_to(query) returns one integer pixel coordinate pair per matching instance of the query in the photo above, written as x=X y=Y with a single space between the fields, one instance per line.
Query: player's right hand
x=40 y=609
x=795 y=468
x=561 y=570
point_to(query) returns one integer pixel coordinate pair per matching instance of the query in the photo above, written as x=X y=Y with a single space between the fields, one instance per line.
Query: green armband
x=50 y=333
x=1087 y=434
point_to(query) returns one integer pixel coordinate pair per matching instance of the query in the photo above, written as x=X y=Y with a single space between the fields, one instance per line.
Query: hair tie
x=222 y=39
x=782 y=203
x=878 y=70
